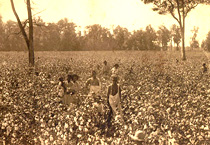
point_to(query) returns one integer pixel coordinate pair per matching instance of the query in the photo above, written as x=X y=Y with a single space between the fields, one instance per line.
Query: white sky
x=132 y=14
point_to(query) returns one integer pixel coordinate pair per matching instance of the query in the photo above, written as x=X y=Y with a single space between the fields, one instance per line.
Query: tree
x=176 y=36
x=2 y=33
x=52 y=38
x=163 y=36
x=68 y=34
x=181 y=7
x=207 y=42
x=150 y=38
x=121 y=36
x=93 y=37
x=12 y=38
x=194 y=42
x=28 y=38
x=203 y=44
x=97 y=38
x=40 y=32
x=137 y=41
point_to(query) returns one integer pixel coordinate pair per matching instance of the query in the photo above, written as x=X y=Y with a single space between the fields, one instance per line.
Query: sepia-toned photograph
x=104 y=72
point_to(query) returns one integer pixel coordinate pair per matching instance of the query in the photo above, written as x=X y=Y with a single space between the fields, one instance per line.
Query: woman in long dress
x=94 y=85
x=94 y=94
x=72 y=89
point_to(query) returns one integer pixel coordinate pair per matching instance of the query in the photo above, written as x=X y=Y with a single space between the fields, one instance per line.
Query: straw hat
x=139 y=136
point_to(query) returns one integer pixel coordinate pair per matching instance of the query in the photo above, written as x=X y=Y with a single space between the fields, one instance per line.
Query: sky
x=132 y=14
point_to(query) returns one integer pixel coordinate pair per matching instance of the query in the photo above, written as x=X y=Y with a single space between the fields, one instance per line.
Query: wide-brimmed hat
x=139 y=136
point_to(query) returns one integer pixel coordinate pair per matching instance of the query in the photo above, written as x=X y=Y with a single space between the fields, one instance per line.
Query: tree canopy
x=179 y=10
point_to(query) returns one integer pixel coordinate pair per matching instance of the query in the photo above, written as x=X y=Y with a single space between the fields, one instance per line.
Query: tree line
x=97 y=36
x=206 y=43
x=65 y=36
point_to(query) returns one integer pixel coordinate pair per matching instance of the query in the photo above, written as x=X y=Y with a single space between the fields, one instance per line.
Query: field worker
x=61 y=87
x=72 y=89
x=177 y=61
x=105 y=69
x=94 y=92
x=204 y=68
x=115 y=70
x=98 y=68
x=114 y=99
x=94 y=84
x=68 y=92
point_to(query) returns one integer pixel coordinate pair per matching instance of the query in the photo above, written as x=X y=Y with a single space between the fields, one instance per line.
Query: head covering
x=139 y=136
x=75 y=76
x=116 y=65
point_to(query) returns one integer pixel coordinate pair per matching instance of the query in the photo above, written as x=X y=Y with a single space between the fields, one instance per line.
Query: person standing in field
x=105 y=69
x=73 y=87
x=68 y=92
x=61 y=88
x=204 y=68
x=114 y=99
x=94 y=94
x=93 y=84
x=115 y=70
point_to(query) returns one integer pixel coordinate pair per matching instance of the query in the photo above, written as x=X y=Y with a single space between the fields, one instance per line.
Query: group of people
x=67 y=90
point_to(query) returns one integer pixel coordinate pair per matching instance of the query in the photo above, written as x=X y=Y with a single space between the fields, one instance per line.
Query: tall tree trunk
x=183 y=46
x=31 y=44
x=28 y=40
x=183 y=32
x=183 y=43
x=20 y=24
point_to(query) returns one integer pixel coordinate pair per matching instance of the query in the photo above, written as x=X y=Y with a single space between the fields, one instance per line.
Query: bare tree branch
x=20 y=24
x=179 y=13
x=172 y=12
x=189 y=9
x=38 y=24
x=12 y=34
x=39 y=12
x=25 y=23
